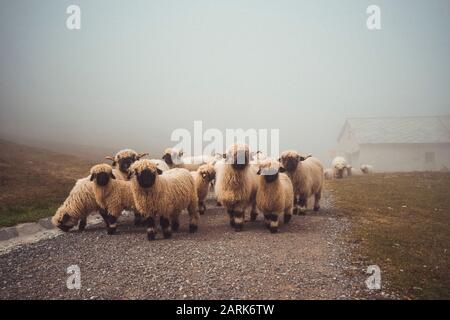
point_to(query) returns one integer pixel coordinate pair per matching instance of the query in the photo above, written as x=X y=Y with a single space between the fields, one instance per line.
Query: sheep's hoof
x=232 y=223
x=111 y=231
x=150 y=236
x=167 y=234
x=202 y=212
x=193 y=228
x=238 y=227
x=82 y=225
x=273 y=229
x=287 y=218
x=218 y=204
x=253 y=216
x=175 y=226
x=295 y=211
x=316 y=208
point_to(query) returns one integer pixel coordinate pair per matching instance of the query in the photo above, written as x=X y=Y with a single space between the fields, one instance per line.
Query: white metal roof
x=400 y=130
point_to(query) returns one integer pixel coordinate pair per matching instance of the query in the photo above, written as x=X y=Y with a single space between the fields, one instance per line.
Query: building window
x=429 y=157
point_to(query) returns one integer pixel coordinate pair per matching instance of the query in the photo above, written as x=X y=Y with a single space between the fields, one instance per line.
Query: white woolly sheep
x=165 y=194
x=122 y=162
x=111 y=195
x=339 y=165
x=202 y=179
x=306 y=174
x=78 y=205
x=236 y=185
x=366 y=169
x=275 y=195
x=175 y=159
x=328 y=174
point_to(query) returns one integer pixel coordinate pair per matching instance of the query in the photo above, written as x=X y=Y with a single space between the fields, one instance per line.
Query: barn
x=397 y=144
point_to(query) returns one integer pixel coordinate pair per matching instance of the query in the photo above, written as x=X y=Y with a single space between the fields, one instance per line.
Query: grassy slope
x=402 y=222
x=34 y=182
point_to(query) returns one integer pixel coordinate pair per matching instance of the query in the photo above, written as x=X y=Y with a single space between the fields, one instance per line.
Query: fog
x=138 y=70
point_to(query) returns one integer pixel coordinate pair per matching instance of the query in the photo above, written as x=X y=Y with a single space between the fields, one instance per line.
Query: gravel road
x=305 y=260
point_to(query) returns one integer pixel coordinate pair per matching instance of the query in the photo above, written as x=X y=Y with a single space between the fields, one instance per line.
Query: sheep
x=124 y=159
x=202 y=179
x=236 y=185
x=339 y=165
x=275 y=194
x=174 y=159
x=78 y=205
x=306 y=174
x=165 y=194
x=328 y=174
x=366 y=169
x=112 y=195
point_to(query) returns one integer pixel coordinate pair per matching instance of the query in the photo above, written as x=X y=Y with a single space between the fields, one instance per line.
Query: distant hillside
x=81 y=151
x=34 y=181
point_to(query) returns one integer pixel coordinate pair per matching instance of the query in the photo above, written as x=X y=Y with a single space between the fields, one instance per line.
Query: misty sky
x=137 y=70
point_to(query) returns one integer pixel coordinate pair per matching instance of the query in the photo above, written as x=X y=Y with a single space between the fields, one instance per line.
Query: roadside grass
x=402 y=224
x=34 y=182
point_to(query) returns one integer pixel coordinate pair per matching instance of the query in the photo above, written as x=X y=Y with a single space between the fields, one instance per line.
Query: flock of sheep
x=243 y=181
x=340 y=168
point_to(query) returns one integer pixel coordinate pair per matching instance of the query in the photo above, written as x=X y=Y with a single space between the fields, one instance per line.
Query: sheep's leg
x=82 y=224
x=272 y=219
x=231 y=214
x=317 y=197
x=165 y=227
x=267 y=220
x=238 y=220
x=112 y=224
x=137 y=218
x=287 y=215
x=201 y=207
x=254 y=212
x=302 y=203
x=104 y=215
x=174 y=222
x=295 y=205
x=150 y=224
x=194 y=217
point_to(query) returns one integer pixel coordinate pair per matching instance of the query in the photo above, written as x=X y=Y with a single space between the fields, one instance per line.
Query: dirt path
x=305 y=260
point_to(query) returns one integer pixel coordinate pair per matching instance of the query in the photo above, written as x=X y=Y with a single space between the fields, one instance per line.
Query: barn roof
x=400 y=130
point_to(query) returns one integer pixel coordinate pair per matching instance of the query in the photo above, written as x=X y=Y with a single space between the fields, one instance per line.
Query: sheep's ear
x=159 y=171
x=130 y=174
x=282 y=169
x=112 y=175
x=259 y=171
x=109 y=158
x=141 y=155
x=180 y=153
x=92 y=177
x=224 y=155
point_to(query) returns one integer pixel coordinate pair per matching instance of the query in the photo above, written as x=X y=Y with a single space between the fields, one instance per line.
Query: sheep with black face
x=122 y=161
x=306 y=173
x=236 y=185
x=202 y=179
x=275 y=195
x=164 y=194
x=77 y=207
x=112 y=195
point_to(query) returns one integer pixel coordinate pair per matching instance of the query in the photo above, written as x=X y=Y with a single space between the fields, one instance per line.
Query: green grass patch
x=402 y=223
x=13 y=214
